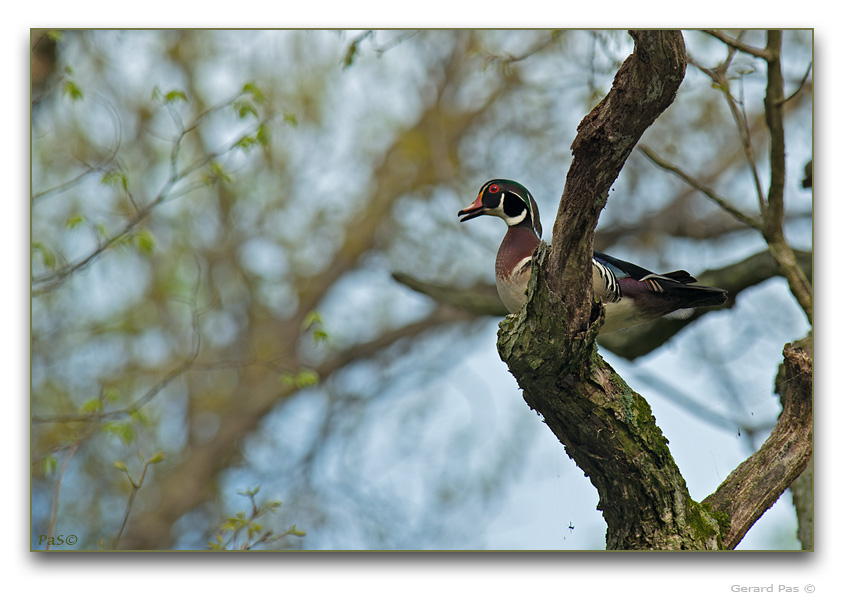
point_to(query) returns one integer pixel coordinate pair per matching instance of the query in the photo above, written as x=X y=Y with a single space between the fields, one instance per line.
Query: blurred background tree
x=216 y=217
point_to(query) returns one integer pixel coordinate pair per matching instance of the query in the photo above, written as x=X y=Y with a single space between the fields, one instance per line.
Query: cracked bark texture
x=754 y=486
x=605 y=426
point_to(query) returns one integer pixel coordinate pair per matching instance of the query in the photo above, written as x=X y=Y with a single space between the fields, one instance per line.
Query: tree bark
x=644 y=86
x=605 y=426
x=754 y=486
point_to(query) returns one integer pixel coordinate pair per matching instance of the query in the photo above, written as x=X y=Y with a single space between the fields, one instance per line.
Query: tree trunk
x=549 y=346
x=606 y=427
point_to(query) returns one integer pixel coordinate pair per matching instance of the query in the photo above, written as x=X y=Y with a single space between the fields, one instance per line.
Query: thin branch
x=54 y=511
x=185 y=486
x=100 y=165
x=755 y=485
x=737 y=44
x=774 y=214
x=481 y=299
x=510 y=59
x=718 y=75
x=151 y=393
x=113 y=415
x=800 y=85
x=740 y=117
x=47 y=283
x=702 y=188
x=387 y=46
x=135 y=487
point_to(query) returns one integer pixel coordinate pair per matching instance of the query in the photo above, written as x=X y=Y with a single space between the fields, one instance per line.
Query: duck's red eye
x=493 y=189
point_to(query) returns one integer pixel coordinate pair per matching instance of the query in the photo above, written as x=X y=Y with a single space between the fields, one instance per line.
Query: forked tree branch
x=754 y=486
x=606 y=427
x=775 y=209
x=771 y=206
x=737 y=44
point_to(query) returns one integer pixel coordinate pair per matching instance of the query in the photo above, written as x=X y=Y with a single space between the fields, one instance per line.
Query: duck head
x=508 y=200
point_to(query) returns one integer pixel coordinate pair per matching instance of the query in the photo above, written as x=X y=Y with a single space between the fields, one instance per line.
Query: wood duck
x=632 y=295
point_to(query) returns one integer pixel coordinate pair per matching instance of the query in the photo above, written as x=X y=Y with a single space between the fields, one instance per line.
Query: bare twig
x=773 y=215
x=702 y=188
x=718 y=75
x=135 y=487
x=800 y=85
x=186 y=365
x=100 y=165
x=771 y=205
x=47 y=283
x=54 y=511
x=737 y=44
x=510 y=59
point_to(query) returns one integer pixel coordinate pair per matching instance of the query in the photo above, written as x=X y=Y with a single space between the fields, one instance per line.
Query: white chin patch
x=514 y=220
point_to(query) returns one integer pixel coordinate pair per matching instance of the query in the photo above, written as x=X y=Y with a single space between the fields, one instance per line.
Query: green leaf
x=255 y=91
x=290 y=119
x=246 y=142
x=354 y=49
x=49 y=464
x=139 y=417
x=69 y=88
x=296 y=532
x=306 y=378
x=74 y=221
x=244 y=109
x=116 y=178
x=249 y=493
x=351 y=52
x=144 y=241
x=218 y=544
x=46 y=254
x=101 y=230
x=312 y=318
x=263 y=135
x=94 y=405
x=111 y=395
x=119 y=464
x=157 y=458
x=125 y=432
x=217 y=175
x=175 y=96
